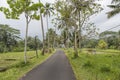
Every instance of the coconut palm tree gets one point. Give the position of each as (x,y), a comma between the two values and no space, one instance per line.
(41,19)
(65,20)
(116,8)
(47,13)
(80,7)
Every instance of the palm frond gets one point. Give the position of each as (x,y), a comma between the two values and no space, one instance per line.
(115,1)
(113,12)
(113,6)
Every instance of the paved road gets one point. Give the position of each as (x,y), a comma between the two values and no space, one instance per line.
(57,67)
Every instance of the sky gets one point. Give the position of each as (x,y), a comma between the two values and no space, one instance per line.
(100,20)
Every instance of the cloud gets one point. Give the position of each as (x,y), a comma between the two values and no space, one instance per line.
(101,20)
(114,21)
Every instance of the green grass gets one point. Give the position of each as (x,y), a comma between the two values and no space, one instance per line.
(17,68)
(96,67)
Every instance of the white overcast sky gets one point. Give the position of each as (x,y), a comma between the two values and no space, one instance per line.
(35,29)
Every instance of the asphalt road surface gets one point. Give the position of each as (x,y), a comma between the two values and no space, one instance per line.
(57,67)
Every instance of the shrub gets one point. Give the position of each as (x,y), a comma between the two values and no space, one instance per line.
(105,68)
(21,64)
(20,49)
(102,44)
(88,64)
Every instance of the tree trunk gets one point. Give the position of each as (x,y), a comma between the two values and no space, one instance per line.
(48,33)
(119,39)
(25,49)
(43,51)
(75,45)
(54,38)
(36,46)
(66,36)
(79,33)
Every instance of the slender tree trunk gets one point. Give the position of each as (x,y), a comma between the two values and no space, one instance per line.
(36,46)
(43,51)
(66,39)
(25,49)
(67,36)
(75,45)
(79,33)
(48,33)
(54,38)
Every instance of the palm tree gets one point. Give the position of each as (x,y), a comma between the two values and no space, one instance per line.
(80,7)
(8,37)
(48,10)
(41,12)
(52,36)
(116,8)
(65,21)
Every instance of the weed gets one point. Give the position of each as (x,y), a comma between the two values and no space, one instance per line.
(88,64)
(105,68)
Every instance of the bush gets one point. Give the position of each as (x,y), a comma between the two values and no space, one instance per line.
(102,44)
(88,64)
(18,49)
(112,47)
(21,64)
(105,68)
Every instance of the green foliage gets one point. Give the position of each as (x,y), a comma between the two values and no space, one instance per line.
(18,49)
(17,7)
(107,33)
(102,44)
(89,43)
(112,39)
(32,44)
(52,36)
(88,64)
(115,8)
(21,64)
(8,38)
(105,68)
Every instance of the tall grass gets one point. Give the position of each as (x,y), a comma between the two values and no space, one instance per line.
(96,67)
(16,67)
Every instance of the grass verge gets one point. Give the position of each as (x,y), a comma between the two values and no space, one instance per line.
(95,67)
(15,63)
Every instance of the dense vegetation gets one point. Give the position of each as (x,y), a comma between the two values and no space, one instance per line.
(10,40)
